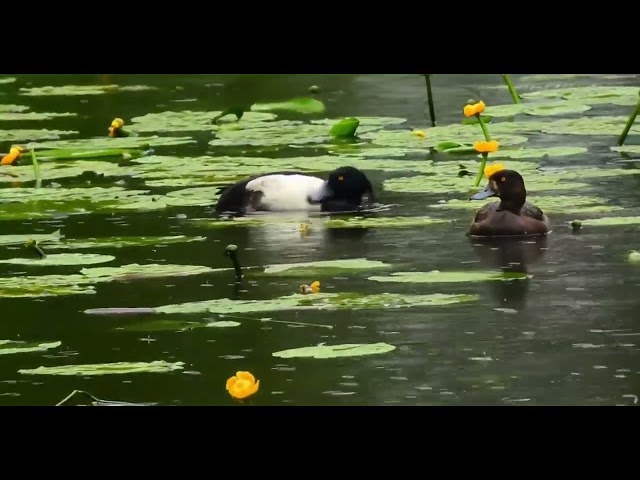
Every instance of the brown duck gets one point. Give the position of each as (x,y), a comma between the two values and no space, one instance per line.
(513,215)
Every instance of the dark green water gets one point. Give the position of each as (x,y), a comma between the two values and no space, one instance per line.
(567,336)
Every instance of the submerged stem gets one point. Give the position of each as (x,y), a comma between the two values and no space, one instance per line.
(511,87)
(630,122)
(432,110)
(481,169)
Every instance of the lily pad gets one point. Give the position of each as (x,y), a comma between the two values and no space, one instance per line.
(617,95)
(13,108)
(61,259)
(121,242)
(81,90)
(108,143)
(24,238)
(120,368)
(319,301)
(25,135)
(197,196)
(560,204)
(345,128)
(436,276)
(634,256)
(162,326)
(563,151)
(336,351)
(537,109)
(12,116)
(603,125)
(223,324)
(8,347)
(627,149)
(323,267)
(610,221)
(384,222)
(300,105)
(191,121)
(5,80)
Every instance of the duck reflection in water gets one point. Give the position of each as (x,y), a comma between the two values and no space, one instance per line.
(510,254)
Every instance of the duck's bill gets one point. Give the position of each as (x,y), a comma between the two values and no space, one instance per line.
(486,193)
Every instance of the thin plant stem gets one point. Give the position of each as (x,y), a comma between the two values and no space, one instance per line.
(630,122)
(36,168)
(481,169)
(511,87)
(483,126)
(432,110)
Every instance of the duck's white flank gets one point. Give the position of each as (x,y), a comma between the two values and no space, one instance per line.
(287,192)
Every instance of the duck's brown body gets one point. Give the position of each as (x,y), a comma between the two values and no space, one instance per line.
(513,215)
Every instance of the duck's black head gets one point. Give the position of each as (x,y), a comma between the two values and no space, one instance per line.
(508,186)
(346,189)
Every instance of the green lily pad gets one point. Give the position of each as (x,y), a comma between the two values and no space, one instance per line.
(25,135)
(81,90)
(191,121)
(537,109)
(197,196)
(83,283)
(24,238)
(539,152)
(323,267)
(384,222)
(318,301)
(610,221)
(300,105)
(617,95)
(120,368)
(449,277)
(336,351)
(345,128)
(61,259)
(223,324)
(12,116)
(634,256)
(553,77)
(13,108)
(109,143)
(162,326)
(561,204)
(5,80)
(627,148)
(8,347)
(122,242)
(603,125)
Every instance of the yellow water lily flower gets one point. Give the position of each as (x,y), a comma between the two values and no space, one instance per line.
(472,109)
(486,147)
(12,156)
(419,133)
(242,385)
(116,125)
(313,288)
(493,168)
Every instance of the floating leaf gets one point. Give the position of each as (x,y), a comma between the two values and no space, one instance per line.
(5,80)
(12,116)
(323,267)
(634,256)
(384,222)
(300,105)
(336,351)
(610,221)
(319,301)
(345,128)
(604,125)
(449,277)
(121,368)
(81,90)
(25,135)
(627,149)
(162,326)
(191,121)
(197,196)
(13,108)
(539,152)
(561,204)
(223,324)
(121,242)
(537,109)
(24,238)
(617,95)
(61,259)
(8,347)
(112,143)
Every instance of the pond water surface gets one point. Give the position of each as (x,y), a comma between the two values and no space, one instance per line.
(567,335)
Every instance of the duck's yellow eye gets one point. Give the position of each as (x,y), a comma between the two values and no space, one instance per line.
(340,178)
(503,179)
